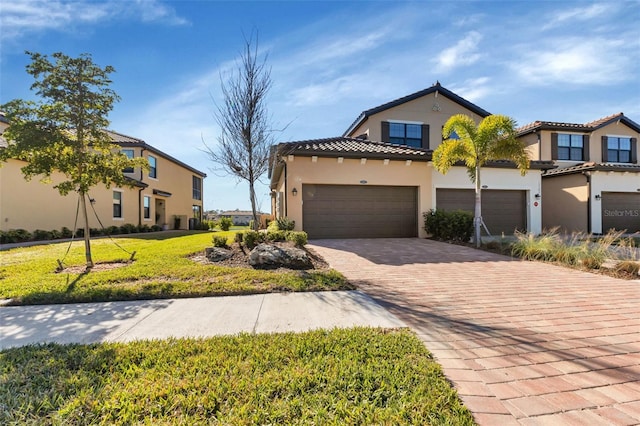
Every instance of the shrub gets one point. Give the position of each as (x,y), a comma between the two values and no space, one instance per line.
(66,232)
(285,224)
(298,237)
(95,232)
(56,235)
(80,233)
(128,228)
(273,226)
(628,266)
(252,224)
(450,226)
(113,230)
(253,238)
(220,241)
(42,235)
(156,228)
(238,237)
(144,228)
(225,223)
(276,236)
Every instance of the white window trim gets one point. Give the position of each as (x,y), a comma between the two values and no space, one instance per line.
(150,211)
(406,122)
(149,172)
(121,204)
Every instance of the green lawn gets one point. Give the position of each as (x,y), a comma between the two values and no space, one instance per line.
(355,376)
(162,269)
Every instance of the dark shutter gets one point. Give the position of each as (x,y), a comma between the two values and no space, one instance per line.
(605,146)
(585,148)
(634,150)
(425,136)
(554,146)
(385,131)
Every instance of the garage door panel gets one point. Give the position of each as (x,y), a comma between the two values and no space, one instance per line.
(620,211)
(348,211)
(502,210)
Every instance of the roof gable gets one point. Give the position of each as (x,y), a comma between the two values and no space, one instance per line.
(433,89)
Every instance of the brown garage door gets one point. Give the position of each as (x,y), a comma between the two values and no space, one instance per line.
(362,211)
(502,211)
(620,210)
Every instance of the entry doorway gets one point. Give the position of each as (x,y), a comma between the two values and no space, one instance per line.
(161,214)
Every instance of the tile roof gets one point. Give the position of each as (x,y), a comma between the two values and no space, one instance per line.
(586,127)
(353,148)
(591,166)
(435,88)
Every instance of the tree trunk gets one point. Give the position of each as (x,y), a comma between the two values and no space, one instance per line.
(87,231)
(252,195)
(477,218)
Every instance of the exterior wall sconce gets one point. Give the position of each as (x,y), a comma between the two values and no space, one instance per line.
(597,197)
(485,186)
(294,192)
(537,196)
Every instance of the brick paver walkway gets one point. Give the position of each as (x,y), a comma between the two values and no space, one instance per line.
(523,342)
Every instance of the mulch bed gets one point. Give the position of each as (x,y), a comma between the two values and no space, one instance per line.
(240,258)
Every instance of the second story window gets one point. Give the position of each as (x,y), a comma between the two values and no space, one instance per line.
(197,188)
(153,170)
(618,150)
(570,147)
(405,134)
(129,153)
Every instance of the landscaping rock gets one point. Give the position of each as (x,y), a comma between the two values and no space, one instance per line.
(270,256)
(217,254)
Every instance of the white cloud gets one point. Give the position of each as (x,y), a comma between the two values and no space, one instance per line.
(575,61)
(474,89)
(21,17)
(579,14)
(464,52)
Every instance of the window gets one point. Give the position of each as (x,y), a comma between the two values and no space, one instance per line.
(197,188)
(570,147)
(147,207)
(153,171)
(117,204)
(618,150)
(129,153)
(405,134)
(197,212)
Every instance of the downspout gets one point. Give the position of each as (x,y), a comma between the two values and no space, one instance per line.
(140,192)
(587,175)
(286,192)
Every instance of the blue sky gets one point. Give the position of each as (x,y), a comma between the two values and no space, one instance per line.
(571,61)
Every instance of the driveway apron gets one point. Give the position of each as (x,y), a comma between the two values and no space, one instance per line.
(523,342)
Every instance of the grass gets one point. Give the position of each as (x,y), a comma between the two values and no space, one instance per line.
(355,376)
(578,250)
(162,269)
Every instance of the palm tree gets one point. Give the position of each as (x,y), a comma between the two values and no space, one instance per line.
(475,145)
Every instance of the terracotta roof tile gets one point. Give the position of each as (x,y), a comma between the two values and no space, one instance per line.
(350,147)
(587,127)
(606,167)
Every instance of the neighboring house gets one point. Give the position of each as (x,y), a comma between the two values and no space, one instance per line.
(170,190)
(596,185)
(239,217)
(377,179)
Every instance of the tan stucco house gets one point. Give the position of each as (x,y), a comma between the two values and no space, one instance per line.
(596,184)
(170,189)
(377,179)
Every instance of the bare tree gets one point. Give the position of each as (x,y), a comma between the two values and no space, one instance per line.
(246,135)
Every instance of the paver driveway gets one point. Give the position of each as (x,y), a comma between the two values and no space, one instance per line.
(523,342)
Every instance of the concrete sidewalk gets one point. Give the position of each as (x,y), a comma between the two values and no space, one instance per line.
(199,317)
